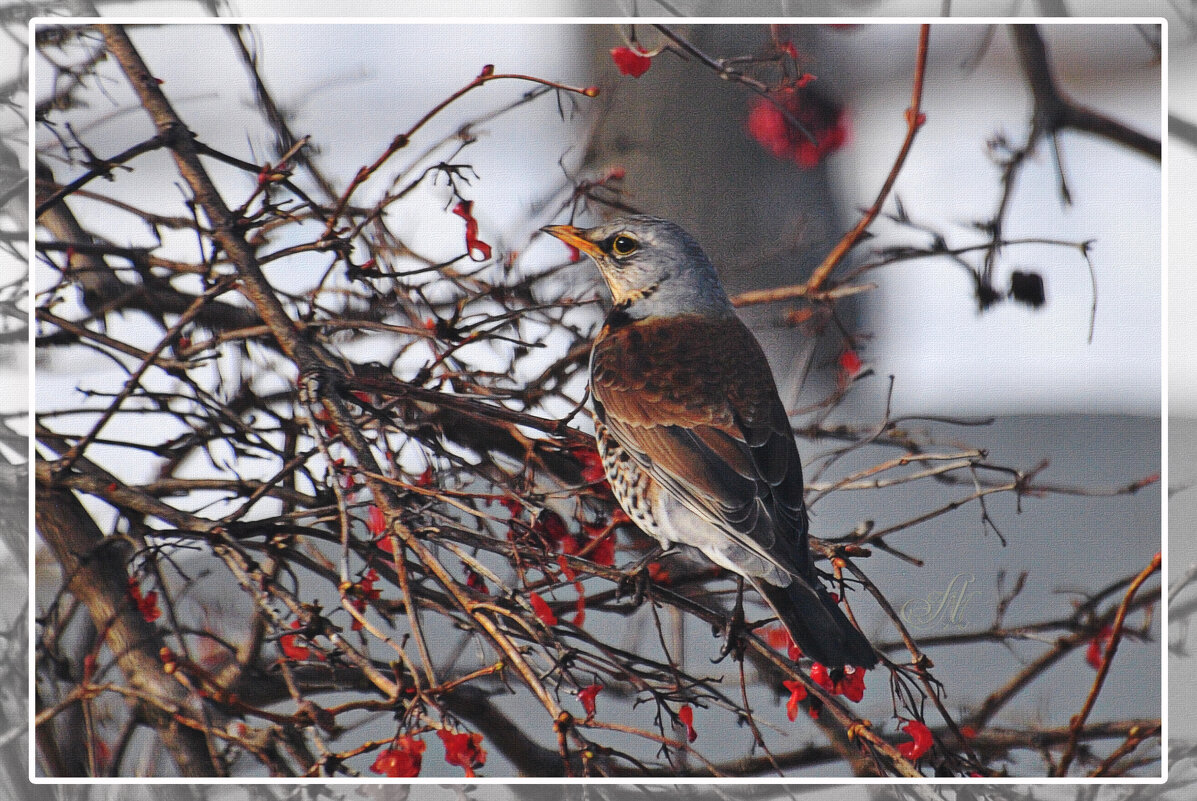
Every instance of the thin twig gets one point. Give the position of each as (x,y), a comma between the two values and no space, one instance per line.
(1078,720)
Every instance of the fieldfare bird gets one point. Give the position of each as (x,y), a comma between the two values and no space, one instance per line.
(693,436)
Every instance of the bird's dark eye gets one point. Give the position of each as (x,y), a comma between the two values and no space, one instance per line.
(624,245)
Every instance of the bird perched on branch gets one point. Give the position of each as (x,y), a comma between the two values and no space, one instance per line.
(692,434)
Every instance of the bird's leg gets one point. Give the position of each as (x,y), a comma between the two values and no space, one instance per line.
(636,575)
(735,629)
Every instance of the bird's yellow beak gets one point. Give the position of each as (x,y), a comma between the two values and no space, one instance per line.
(573,236)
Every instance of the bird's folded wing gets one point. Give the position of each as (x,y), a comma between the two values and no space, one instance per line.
(694,403)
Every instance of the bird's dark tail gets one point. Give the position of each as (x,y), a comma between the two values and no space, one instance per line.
(817,624)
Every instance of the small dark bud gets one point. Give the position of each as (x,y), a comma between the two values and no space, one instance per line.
(987,295)
(1027,288)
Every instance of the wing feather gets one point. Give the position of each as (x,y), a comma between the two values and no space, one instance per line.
(708,425)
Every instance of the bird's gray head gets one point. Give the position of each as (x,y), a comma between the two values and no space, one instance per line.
(652,266)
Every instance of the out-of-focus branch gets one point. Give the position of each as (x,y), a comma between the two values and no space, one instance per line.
(94,569)
(1078,721)
(1055,112)
(1182,129)
(914,121)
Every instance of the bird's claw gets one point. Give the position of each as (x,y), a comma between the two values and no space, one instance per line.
(734,631)
(636,577)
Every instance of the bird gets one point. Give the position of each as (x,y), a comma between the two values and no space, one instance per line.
(692,434)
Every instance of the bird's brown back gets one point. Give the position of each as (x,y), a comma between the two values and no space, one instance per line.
(685,371)
(695,398)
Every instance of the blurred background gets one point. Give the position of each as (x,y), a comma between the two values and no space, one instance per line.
(687,154)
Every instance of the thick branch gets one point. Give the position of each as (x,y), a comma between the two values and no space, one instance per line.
(1057,112)
(96,568)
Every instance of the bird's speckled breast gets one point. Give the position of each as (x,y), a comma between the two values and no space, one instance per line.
(633,487)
